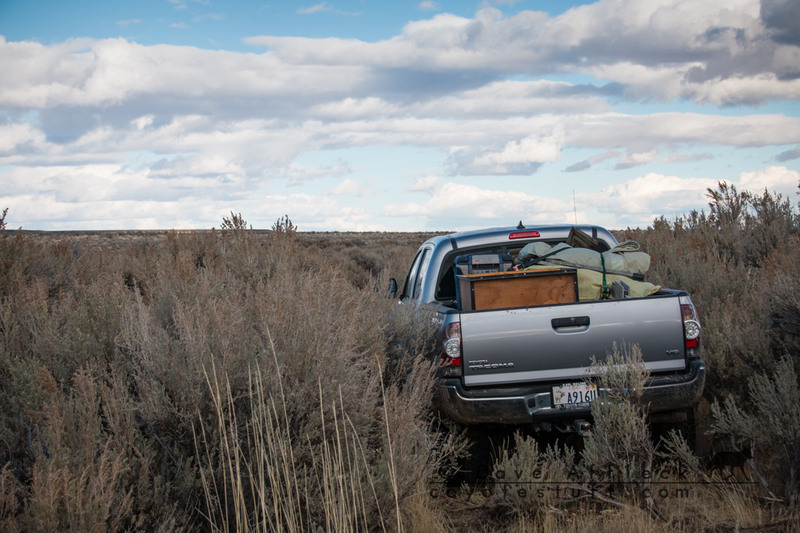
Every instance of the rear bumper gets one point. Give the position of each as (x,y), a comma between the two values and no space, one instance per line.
(524,405)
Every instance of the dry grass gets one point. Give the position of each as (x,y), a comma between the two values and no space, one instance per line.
(245,380)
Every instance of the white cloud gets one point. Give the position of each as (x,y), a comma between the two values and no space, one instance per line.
(348,187)
(637,202)
(354,109)
(531,149)
(316,8)
(118,197)
(199,165)
(425,184)
(158,122)
(496,124)
(652,49)
(142,122)
(594,160)
(637,159)
(321,213)
(681,157)
(651,195)
(711,52)
(458,201)
(183,4)
(654,193)
(776,179)
(300,174)
(15,138)
(512,98)
(643,133)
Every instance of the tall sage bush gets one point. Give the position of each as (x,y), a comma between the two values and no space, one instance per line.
(740,263)
(234,380)
(131,376)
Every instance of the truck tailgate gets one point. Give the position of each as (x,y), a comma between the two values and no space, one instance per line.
(557,343)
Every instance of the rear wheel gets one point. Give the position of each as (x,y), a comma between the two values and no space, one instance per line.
(485,444)
(683,421)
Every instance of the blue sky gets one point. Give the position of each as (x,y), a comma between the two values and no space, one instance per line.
(365,115)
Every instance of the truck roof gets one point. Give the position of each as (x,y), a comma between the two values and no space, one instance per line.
(466,239)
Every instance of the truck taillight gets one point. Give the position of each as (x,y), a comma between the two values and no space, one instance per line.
(691,328)
(451,350)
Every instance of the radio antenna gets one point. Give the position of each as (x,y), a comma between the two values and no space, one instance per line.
(574,207)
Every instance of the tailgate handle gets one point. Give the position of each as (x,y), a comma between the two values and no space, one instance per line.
(570,322)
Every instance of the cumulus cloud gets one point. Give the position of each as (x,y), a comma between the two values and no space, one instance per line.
(652,194)
(531,149)
(776,179)
(637,202)
(19,138)
(461,202)
(158,122)
(425,184)
(652,48)
(519,157)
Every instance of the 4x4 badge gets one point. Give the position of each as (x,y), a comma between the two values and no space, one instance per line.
(483,364)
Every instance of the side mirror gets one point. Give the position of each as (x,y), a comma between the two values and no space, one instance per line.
(392,287)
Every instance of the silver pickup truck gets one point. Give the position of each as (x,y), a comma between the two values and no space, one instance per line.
(518,357)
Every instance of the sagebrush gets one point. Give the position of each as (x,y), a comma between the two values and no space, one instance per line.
(179,383)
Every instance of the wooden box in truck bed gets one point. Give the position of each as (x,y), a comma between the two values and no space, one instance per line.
(507,290)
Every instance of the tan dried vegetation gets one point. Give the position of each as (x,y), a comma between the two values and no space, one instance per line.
(245,380)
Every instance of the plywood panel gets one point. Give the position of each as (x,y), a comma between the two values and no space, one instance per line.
(519,289)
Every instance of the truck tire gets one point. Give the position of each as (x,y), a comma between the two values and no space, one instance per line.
(684,421)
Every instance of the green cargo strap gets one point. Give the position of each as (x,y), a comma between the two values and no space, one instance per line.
(605,287)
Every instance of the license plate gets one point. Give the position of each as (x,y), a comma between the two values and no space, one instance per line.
(574,395)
